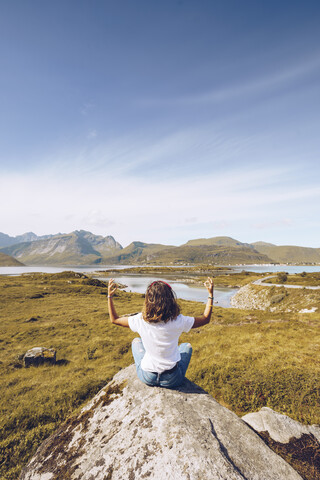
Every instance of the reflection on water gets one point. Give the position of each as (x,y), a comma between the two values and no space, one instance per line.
(140,283)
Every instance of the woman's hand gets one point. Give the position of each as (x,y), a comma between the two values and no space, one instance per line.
(209,286)
(205,318)
(112,288)
(114,317)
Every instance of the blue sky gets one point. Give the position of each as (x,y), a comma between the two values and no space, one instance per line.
(161,121)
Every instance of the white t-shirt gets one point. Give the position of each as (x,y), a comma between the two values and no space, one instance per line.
(160,341)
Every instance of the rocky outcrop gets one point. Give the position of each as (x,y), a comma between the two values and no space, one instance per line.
(281,428)
(132,431)
(277,298)
(251,297)
(297,443)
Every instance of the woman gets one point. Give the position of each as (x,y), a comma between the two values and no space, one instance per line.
(158,358)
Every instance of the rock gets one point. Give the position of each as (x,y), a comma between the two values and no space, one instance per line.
(132,431)
(249,297)
(38,356)
(280,427)
(296,443)
(32,319)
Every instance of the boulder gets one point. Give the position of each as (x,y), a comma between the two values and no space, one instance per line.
(132,431)
(296,443)
(38,356)
(281,428)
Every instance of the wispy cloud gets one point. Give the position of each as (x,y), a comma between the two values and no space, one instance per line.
(183,153)
(131,208)
(262,84)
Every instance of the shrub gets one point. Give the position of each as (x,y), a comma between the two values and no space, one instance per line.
(282,277)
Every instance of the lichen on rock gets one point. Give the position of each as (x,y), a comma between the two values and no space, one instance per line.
(132,431)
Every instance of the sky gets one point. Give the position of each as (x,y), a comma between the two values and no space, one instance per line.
(161,121)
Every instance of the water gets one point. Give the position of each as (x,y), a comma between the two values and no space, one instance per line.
(136,283)
(49,269)
(94,268)
(139,284)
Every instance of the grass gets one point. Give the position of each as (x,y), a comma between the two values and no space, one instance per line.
(223,276)
(303,279)
(245,359)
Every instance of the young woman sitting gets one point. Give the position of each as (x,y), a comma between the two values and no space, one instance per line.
(158,358)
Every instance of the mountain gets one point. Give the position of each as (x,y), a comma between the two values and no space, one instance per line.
(6,240)
(137,252)
(266,244)
(77,248)
(7,261)
(85,248)
(288,253)
(209,254)
(210,250)
(225,241)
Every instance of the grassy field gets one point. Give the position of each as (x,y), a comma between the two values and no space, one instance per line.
(303,279)
(245,359)
(223,276)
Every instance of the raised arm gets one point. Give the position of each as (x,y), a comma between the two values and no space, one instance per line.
(205,318)
(114,317)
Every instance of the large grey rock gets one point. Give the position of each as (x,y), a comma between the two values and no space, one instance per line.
(132,431)
(280,427)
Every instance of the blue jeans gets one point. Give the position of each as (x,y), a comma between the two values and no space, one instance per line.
(169,379)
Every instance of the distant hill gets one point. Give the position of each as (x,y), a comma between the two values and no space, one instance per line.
(210,254)
(77,248)
(7,261)
(225,241)
(288,253)
(195,251)
(7,240)
(137,252)
(257,244)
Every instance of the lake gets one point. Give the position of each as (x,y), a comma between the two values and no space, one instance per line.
(139,283)
(135,283)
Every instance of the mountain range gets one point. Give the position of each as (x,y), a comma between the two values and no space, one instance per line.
(76,248)
(85,248)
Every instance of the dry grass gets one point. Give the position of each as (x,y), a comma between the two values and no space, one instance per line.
(247,359)
(303,279)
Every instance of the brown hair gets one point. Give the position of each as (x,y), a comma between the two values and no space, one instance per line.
(160,303)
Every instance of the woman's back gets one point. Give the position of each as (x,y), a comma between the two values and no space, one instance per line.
(160,341)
